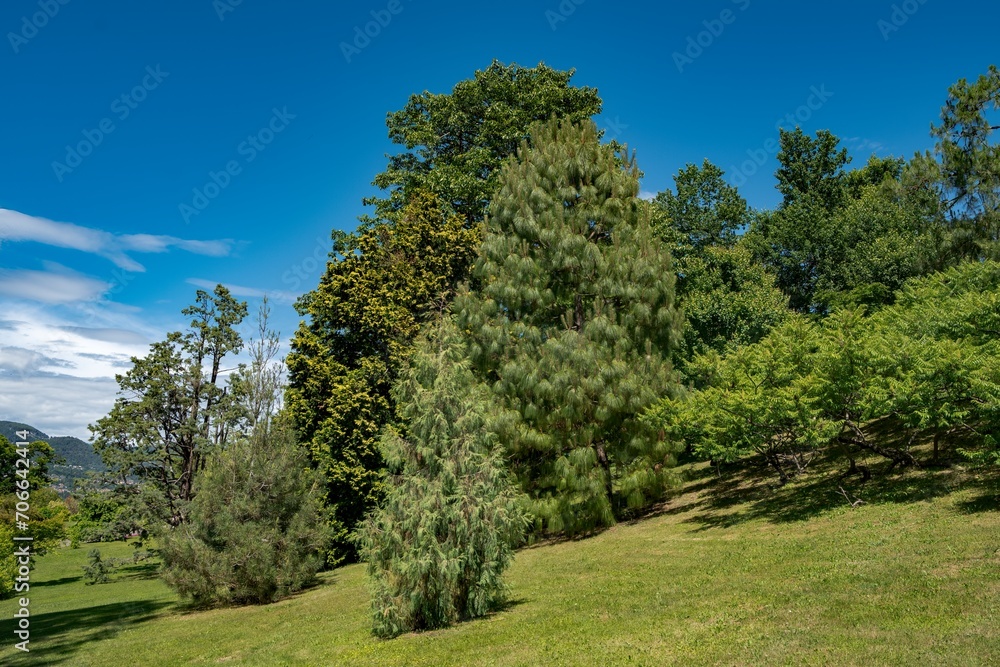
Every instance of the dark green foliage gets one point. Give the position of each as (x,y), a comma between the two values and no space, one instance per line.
(704,212)
(841,238)
(573,326)
(256,529)
(440,541)
(456,142)
(362,319)
(969,164)
(41,457)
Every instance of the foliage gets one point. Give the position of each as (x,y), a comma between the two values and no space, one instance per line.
(705,211)
(96,571)
(256,528)
(456,142)
(440,541)
(969,164)
(41,457)
(573,326)
(47,519)
(841,238)
(362,320)
(105,514)
(404,264)
(930,364)
(728,299)
(170,412)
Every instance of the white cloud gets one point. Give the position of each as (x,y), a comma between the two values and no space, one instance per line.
(50,287)
(58,375)
(16,227)
(57,404)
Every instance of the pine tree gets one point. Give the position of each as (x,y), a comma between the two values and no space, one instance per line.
(439,543)
(573,326)
(256,529)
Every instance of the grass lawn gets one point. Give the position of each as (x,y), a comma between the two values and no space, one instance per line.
(732,572)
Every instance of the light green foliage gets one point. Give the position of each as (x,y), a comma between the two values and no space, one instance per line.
(172,411)
(256,529)
(573,326)
(760,400)
(439,543)
(96,571)
(456,142)
(929,364)
(47,520)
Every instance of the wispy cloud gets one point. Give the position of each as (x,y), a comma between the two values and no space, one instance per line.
(55,285)
(277,296)
(18,227)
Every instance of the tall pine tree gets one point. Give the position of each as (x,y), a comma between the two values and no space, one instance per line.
(573,326)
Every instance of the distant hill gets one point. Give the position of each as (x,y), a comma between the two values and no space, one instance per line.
(80,456)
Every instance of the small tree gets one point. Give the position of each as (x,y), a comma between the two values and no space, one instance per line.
(256,530)
(438,545)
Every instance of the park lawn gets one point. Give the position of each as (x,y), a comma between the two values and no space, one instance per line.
(732,572)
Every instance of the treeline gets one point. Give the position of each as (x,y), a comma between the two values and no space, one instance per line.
(514,344)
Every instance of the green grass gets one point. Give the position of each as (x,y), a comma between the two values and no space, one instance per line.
(732,572)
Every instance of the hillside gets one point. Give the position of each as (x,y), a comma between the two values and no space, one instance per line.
(79,455)
(732,572)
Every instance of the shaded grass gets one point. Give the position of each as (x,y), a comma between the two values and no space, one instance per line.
(736,571)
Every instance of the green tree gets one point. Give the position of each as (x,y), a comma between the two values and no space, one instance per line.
(172,409)
(363,317)
(704,211)
(439,543)
(403,263)
(256,530)
(456,142)
(969,162)
(729,300)
(574,324)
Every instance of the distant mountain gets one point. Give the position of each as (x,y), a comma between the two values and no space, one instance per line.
(80,456)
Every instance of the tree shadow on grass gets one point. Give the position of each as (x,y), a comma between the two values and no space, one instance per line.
(56,582)
(57,636)
(753,493)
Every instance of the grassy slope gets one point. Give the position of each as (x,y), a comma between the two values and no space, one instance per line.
(730,573)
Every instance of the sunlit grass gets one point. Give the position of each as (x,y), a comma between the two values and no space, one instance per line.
(733,572)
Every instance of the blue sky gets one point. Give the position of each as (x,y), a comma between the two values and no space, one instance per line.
(116,112)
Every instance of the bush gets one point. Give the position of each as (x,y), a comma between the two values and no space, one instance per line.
(256,528)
